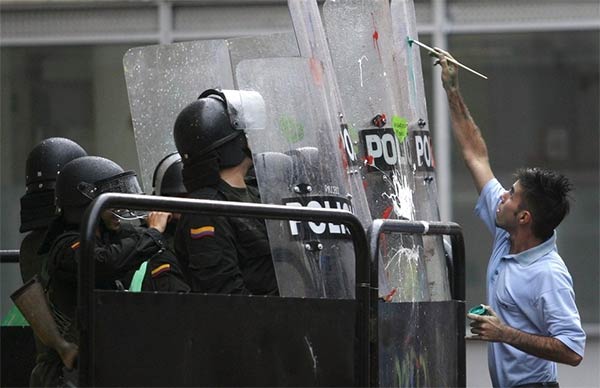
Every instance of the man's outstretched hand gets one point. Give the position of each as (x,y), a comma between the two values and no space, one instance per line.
(449,69)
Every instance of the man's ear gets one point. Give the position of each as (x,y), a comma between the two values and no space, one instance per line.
(525,217)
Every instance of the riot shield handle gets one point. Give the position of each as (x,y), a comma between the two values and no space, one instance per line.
(31,300)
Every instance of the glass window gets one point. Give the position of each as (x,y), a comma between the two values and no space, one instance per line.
(73,92)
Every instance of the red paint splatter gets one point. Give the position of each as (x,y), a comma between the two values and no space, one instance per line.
(387,212)
(388,297)
(385,215)
(316,70)
(343,150)
(376,37)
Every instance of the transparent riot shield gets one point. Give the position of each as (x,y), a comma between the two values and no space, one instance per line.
(161,81)
(312,44)
(297,163)
(359,34)
(412,102)
(262,46)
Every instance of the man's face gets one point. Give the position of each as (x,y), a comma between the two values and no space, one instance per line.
(111,221)
(508,211)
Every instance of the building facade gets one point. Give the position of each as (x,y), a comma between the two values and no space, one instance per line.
(61,75)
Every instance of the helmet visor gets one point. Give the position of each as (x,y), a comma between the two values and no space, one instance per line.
(246,109)
(128,215)
(126,183)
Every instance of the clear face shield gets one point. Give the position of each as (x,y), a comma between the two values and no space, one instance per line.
(125,183)
(246,109)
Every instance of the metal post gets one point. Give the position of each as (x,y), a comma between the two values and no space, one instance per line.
(165,22)
(9,256)
(441,127)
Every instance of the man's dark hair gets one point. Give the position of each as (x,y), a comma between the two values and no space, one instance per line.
(545,195)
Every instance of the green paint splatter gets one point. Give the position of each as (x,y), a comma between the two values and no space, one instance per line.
(292,130)
(353,134)
(400,126)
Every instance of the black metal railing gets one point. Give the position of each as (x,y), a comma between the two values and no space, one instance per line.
(222,208)
(456,270)
(9,256)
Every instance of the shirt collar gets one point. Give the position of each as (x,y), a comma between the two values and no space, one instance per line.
(533,254)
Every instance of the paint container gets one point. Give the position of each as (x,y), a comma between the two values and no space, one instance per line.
(478,310)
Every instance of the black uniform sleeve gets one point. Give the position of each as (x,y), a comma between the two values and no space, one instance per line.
(128,252)
(209,245)
(63,258)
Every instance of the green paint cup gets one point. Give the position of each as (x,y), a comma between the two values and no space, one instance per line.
(478,310)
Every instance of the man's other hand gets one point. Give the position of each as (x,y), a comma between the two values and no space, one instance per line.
(487,327)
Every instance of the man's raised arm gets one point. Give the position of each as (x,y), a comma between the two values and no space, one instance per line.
(467,134)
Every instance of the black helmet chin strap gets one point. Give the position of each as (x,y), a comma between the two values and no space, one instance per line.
(245,149)
(218,143)
(201,171)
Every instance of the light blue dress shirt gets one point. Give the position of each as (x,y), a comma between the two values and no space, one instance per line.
(531,291)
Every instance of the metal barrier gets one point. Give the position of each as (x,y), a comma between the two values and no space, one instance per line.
(9,256)
(457,281)
(456,269)
(86,311)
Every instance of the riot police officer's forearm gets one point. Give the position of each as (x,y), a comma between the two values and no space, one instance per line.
(129,252)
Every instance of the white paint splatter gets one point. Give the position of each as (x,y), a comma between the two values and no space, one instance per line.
(360,69)
(312,354)
(411,255)
(405,272)
(402,199)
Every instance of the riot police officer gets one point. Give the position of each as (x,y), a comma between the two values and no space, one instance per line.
(38,210)
(162,272)
(44,163)
(120,248)
(167,179)
(226,255)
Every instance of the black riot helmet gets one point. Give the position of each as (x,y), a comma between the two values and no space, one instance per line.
(83,179)
(167,179)
(43,165)
(216,122)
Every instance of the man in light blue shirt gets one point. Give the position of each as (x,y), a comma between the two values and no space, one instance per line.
(532,321)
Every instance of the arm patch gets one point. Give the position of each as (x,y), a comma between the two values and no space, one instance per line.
(201,232)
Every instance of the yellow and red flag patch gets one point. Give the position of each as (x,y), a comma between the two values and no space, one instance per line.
(205,231)
(160,269)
